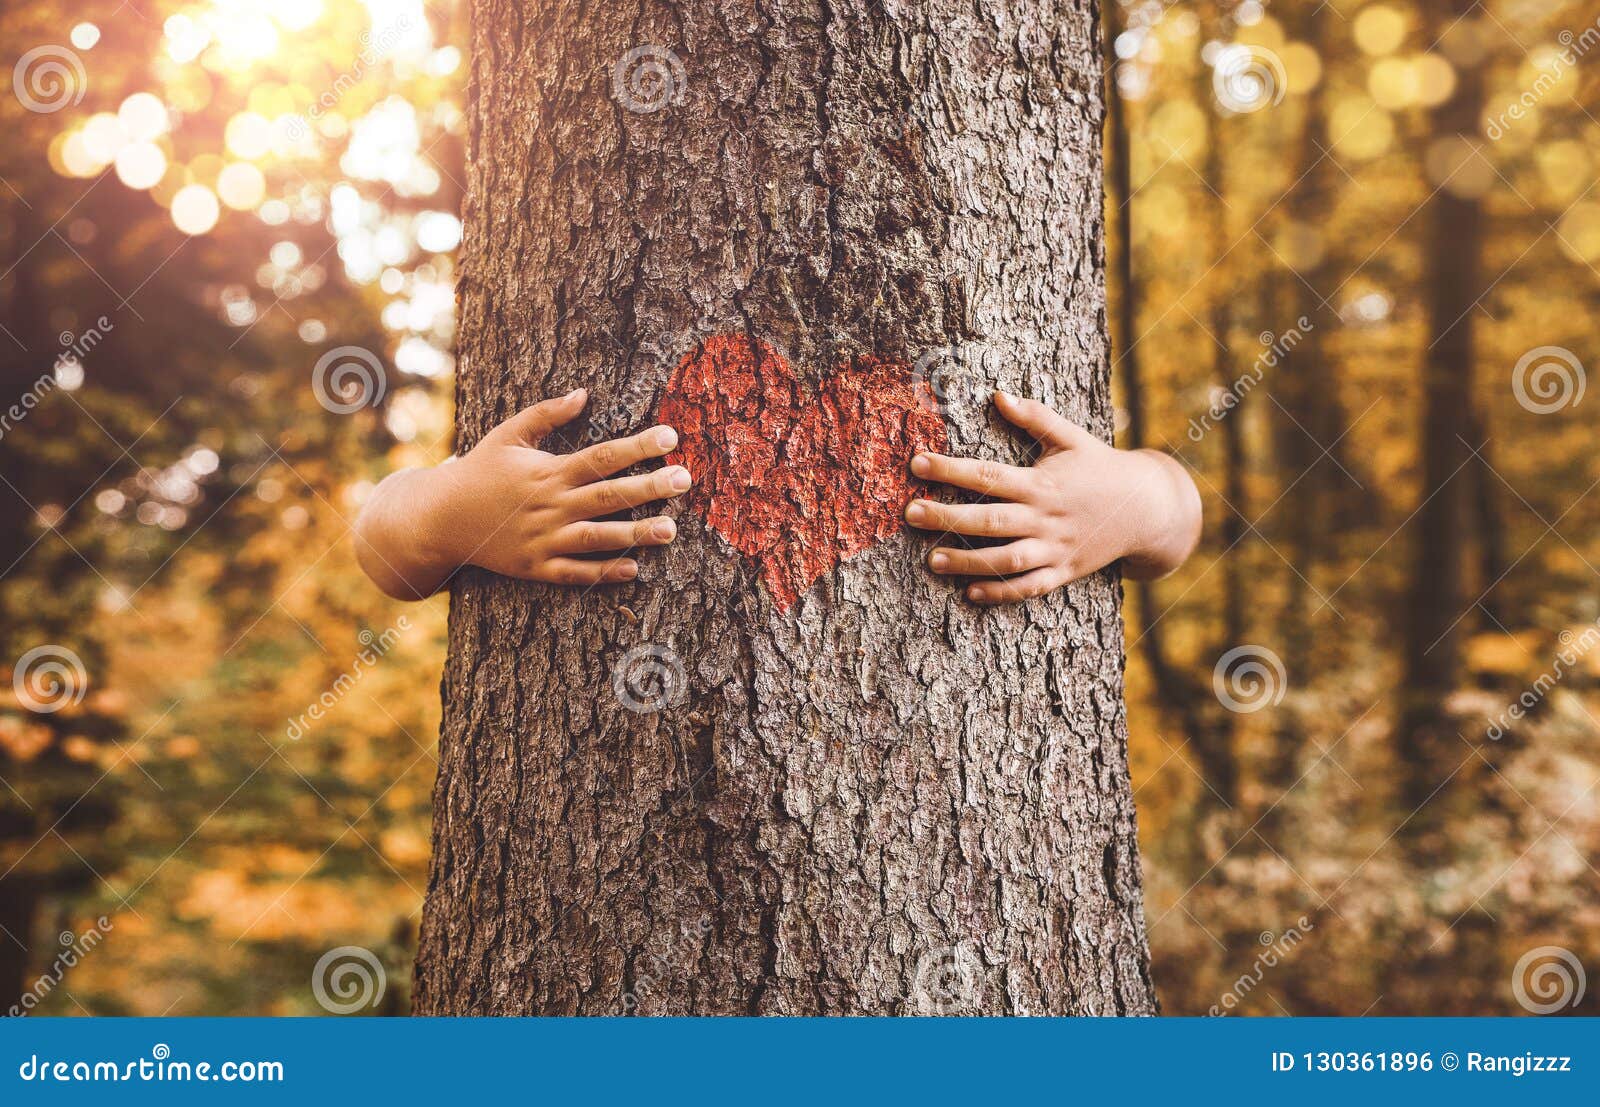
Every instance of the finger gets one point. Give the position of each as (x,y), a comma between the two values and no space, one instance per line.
(605,458)
(1016,589)
(988,477)
(1044,423)
(607,496)
(991,561)
(984,520)
(572,570)
(594,537)
(531,424)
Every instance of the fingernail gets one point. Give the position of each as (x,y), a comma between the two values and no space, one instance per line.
(916,513)
(575,393)
(664,530)
(666,438)
(629,569)
(938,561)
(920,465)
(1006,396)
(977,593)
(680,480)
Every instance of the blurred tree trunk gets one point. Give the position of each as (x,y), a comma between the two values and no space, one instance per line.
(1311,418)
(1429,746)
(1124,347)
(1178,696)
(1234,527)
(19,911)
(1488,522)
(878,799)
(1216,744)
(23,359)
(25,355)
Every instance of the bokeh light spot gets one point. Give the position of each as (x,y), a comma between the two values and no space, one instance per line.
(1379,29)
(141,165)
(241,185)
(195,209)
(143,117)
(248,135)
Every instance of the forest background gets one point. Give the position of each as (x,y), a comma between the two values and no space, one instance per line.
(1352,252)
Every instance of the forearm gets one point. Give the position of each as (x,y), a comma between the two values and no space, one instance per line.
(397,542)
(1171,505)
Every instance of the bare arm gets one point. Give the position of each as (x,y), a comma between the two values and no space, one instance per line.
(1170,511)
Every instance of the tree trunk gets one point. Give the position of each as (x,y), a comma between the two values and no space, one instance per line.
(19,914)
(1215,743)
(1176,695)
(1489,523)
(805,778)
(1120,174)
(1310,420)
(1429,745)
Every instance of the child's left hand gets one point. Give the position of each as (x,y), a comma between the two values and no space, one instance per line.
(1080,507)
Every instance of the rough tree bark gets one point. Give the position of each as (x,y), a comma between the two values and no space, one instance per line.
(867,796)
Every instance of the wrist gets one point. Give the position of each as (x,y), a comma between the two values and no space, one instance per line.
(439,540)
(1168,510)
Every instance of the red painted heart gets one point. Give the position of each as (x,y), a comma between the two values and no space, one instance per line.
(797,482)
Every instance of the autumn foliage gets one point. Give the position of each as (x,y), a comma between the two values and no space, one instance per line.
(207,223)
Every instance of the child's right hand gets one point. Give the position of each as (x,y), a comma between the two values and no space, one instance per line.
(517,510)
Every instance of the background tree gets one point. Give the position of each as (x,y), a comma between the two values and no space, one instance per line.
(1429,744)
(1182,699)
